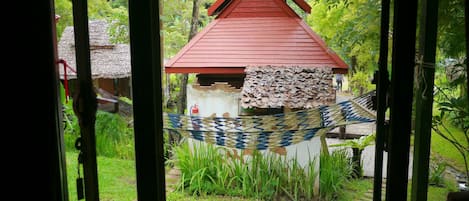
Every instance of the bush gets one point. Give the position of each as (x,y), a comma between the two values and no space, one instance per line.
(114,137)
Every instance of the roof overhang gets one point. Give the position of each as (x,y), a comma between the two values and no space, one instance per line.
(220,5)
(228,45)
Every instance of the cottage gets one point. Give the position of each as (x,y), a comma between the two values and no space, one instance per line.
(255,33)
(259,57)
(110,63)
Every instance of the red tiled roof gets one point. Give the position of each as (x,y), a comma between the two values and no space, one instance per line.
(220,5)
(227,45)
(253,32)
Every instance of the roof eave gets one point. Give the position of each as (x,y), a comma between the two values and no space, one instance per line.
(303,5)
(205,70)
(217,7)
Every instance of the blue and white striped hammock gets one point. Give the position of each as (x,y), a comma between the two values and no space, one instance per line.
(272,131)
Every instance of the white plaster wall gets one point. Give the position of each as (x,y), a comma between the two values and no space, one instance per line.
(212,101)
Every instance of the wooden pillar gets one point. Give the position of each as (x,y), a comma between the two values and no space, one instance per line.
(424,98)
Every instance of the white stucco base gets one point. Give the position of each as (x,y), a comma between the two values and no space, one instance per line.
(220,99)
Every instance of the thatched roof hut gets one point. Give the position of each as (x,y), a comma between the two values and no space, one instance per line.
(107,60)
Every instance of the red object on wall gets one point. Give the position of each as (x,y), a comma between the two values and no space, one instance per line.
(195,109)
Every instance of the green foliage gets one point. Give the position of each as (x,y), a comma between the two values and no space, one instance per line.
(114,137)
(360,82)
(360,143)
(112,11)
(436,176)
(453,110)
(120,3)
(119,26)
(63,8)
(176,19)
(351,28)
(451,28)
(334,173)
(206,169)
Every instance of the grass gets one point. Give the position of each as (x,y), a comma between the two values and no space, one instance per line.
(357,189)
(181,196)
(210,170)
(446,151)
(116,178)
(117,182)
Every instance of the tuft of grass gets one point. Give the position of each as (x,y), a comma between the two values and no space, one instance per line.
(335,172)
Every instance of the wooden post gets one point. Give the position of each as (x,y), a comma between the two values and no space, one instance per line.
(424,99)
(382,90)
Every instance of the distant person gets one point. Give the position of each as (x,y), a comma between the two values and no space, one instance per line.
(338,79)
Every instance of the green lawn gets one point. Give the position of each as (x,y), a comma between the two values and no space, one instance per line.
(116,178)
(444,150)
(117,182)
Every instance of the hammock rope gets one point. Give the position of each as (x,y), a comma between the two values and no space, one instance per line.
(271,131)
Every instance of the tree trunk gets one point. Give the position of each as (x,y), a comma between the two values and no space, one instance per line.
(182,103)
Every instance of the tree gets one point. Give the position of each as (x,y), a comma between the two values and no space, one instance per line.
(454,110)
(350,27)
(113,12)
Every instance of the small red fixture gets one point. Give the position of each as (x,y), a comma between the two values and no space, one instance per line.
(195,110)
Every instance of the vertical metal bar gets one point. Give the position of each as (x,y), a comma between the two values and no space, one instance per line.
(147,99)
(382,88)
(49,177)
(424,99)
(84,100)
(403,62)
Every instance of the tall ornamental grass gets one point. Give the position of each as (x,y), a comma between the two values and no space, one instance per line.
(209,169)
